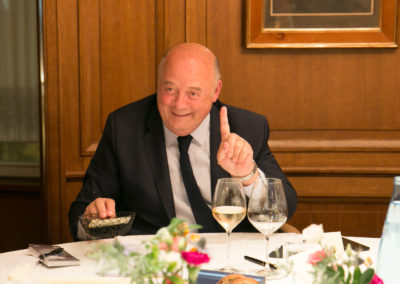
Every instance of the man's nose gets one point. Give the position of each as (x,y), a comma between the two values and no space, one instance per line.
(180,100)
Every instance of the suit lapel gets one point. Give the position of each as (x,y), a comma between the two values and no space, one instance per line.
(215,140)
(156,152)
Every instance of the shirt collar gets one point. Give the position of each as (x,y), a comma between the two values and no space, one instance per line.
(200,134)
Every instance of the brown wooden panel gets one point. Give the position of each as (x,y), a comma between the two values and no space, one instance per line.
(160,33)
(343,185)
(196,21)
(304,89)
(344,161)
(89,75)
(20,218)
(350,216)
(127,41)
(52,174)
(69,100)
(333,113)
(174,23)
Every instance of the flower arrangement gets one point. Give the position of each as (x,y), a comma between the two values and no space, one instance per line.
(328,267)
(172,255)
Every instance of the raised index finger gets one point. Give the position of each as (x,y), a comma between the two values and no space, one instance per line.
(224,124)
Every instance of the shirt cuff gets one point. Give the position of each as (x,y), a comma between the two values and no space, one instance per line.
(81,233)
(248,188)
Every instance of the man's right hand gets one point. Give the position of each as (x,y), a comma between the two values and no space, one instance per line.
(105,207)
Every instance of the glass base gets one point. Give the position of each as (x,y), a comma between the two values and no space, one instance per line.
(229,270)
(272,274)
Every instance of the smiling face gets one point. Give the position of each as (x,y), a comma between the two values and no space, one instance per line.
(188,84)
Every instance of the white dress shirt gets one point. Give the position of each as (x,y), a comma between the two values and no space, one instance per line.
(199,154)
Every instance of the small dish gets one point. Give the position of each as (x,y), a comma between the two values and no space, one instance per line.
(97,228)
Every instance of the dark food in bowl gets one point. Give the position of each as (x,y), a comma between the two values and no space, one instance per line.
(97,228)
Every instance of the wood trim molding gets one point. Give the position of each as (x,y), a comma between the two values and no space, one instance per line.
(342,200)
(91,149)
(89,73)
(377,171)
(20,185)
(293,145)
(308,171)
(340,145)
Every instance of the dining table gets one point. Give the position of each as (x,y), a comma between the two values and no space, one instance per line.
(21,267)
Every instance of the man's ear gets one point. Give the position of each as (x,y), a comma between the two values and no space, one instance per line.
(217,90)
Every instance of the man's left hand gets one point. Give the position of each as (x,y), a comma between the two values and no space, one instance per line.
(235,154)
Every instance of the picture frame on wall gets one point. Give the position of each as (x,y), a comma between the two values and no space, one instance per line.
(321,23)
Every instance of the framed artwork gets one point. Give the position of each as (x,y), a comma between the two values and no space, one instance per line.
(320,23)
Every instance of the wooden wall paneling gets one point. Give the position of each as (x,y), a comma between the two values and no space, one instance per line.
(69,93)
(304,89)
(52,174)
(174,23)
(332,113)
(89,75)
(351,216)
(324,141)
(333,125)
(179,21)
(160,32)
(117,56)
(20,217)
(360,186)
(196,21)
(128,52)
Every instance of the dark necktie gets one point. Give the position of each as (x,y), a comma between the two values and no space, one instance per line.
(201,212)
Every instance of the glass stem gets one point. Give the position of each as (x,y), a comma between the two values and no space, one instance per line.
(228,250)
(267,256)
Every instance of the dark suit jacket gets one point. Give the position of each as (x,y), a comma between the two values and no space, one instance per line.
(130,164)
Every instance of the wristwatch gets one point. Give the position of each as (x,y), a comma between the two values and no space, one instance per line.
(251,174)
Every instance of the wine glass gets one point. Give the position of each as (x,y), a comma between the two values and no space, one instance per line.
(229,209)
(267,212)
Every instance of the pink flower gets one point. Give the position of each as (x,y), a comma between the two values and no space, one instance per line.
(376,280)
(316,257)
(195,258)
(175,244)
(162,246)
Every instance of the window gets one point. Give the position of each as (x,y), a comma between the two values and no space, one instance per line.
(19,89)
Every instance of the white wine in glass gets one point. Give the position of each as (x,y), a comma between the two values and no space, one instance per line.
(229,209)
(267,212)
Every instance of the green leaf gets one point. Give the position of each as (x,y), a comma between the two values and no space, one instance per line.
(176,279)
(366,276)
(356,276)
(341,273)
(171,266)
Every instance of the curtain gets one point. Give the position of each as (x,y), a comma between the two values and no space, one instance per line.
(19,71)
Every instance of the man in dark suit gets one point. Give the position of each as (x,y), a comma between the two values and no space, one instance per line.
(136,165)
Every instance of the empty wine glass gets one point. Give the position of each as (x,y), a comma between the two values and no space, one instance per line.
(267,212)
(229,209)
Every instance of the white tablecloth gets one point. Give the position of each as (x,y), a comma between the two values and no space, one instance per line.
(20,267)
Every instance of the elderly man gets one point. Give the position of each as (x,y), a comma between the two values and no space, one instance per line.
(138,162)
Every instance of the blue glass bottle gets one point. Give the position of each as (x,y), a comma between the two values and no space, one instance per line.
(389,248)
